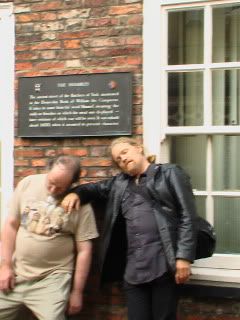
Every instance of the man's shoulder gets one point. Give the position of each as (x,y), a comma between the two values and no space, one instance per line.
(31,177)
(85,209)
(34,178)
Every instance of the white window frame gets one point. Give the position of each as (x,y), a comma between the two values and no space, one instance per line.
(7,103)
(220,267)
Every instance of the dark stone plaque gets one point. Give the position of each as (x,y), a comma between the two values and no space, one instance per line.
(75,105)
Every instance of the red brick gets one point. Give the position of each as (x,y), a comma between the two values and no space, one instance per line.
(39,163)
(120,51)
(96,3)
(50,65)
(134,40)
(46,45)
(91,162)
(127,9)
(51,153)
(45,143)
(48,16)
(21,163)
(22,47)
(96,141)
(19,142)
(71,44)
(23,65)
(134,60)
(76,152)
(28,153)
(135,20)
(51,5)
(28,17)
(75,34)
(101,22)
(28,55)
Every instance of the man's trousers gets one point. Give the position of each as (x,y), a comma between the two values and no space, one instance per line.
(47,298)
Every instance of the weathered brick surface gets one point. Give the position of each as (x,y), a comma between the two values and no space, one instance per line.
(89,36)
(74,37)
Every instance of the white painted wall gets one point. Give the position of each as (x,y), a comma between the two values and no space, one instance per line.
(6,103)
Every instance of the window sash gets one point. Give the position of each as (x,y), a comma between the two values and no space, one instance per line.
(207,67)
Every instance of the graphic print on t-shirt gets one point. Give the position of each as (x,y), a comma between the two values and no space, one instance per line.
(44,217)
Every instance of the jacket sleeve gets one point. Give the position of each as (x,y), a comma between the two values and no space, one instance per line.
(94,191)
(179,183)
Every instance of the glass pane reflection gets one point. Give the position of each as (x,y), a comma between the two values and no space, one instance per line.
(185,99)
(185,37)
(226,97)
(227,225)
(190,153)
(226,155)
(226,36)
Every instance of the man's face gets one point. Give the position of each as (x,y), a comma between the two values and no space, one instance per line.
(129,158)
(58,181)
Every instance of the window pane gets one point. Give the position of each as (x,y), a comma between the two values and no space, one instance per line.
(190,153)
(226,36)
(226,155)
(226,97)
(185,37)
(185,99)
(227,225)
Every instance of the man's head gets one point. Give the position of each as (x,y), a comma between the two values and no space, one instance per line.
(63,171)
(128,154)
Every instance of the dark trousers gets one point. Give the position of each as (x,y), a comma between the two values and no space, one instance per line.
(156,300)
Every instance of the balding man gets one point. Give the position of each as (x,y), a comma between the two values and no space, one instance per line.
(46,253)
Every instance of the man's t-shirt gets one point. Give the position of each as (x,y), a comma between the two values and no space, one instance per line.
(46,237)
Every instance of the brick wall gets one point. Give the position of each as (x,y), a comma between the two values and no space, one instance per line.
(56,37)
(76,37)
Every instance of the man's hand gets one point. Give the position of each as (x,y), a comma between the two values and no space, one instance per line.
(75,302)
(70,202)
(7,278)
(183,271)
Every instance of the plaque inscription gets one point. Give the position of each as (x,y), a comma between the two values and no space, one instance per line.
(75,105)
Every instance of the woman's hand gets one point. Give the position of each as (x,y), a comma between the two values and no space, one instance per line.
(70,202)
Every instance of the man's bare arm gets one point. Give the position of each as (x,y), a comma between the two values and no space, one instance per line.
(9,234)
(82,267)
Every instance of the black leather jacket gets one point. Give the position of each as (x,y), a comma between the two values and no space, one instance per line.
(174,211)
